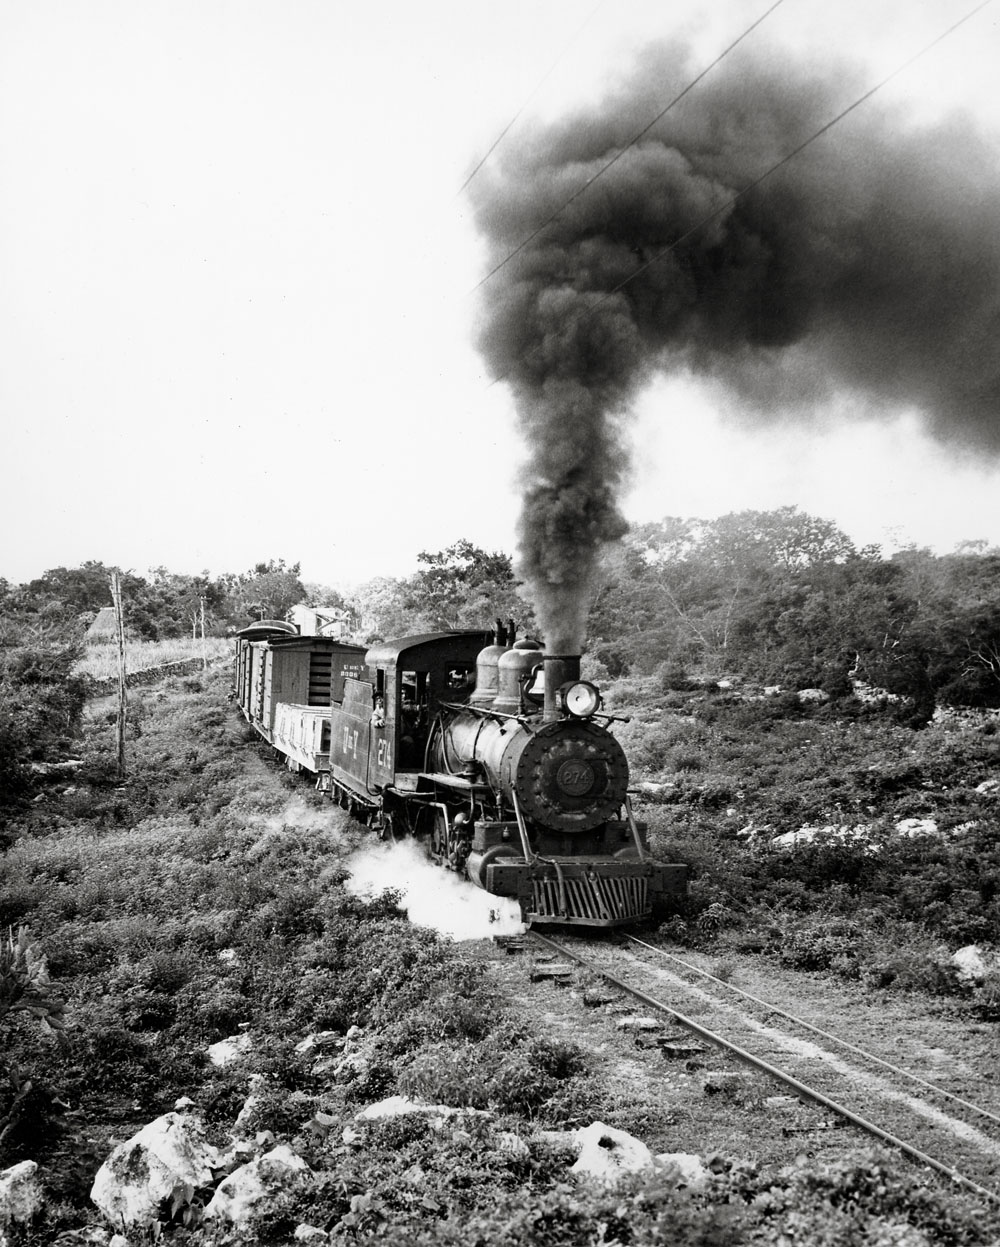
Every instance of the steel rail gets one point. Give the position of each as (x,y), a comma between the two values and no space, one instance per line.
(816,1030)
(801,1089)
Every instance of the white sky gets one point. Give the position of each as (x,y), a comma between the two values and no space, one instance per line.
(234,276)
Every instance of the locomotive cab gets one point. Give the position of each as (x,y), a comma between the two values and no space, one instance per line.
(379,735)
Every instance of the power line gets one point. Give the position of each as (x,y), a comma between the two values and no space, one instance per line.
(734,199)
(621,151)
(531,94)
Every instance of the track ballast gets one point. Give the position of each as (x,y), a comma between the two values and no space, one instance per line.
(941,1139)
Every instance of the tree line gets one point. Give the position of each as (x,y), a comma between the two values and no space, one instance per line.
(779,597)
(786,598)
(160,606)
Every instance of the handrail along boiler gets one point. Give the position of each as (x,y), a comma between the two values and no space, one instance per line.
(496,753)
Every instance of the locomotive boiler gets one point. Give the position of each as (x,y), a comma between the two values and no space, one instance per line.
(498,757)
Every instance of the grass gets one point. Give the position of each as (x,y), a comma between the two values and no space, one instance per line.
(100,662)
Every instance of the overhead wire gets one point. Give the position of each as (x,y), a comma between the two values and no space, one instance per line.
(622,150)
(741,194)
(532,93)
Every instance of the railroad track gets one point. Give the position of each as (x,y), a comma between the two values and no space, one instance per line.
(933,1126)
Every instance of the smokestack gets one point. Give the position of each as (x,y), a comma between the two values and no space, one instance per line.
(559,670)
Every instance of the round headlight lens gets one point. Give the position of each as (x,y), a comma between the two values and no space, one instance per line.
(582,699)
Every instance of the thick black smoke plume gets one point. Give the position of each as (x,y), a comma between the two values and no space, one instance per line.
(867,266)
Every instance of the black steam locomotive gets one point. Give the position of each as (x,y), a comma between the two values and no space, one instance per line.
(489,750)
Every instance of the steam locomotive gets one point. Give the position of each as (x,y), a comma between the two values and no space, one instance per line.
(495,754)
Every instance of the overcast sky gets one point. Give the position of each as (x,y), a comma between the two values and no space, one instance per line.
(235,272)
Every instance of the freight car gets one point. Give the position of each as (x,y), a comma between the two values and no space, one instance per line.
(285,685)
(495,754)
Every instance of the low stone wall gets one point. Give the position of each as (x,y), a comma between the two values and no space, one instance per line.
(150,675)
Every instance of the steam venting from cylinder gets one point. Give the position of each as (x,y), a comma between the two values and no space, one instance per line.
(866,270)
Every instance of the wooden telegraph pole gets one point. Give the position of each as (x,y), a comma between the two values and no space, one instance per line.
(204,652)
(116,597)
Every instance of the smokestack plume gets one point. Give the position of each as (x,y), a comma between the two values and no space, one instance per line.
(866,268)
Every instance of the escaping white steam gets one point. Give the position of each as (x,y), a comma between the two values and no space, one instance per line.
(435,898)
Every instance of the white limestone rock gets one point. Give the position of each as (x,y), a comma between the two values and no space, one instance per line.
(394,1106)
(226,1051)
(20,1196)
(165,1156)
(607,1155)
(402,1106)
(812,697)
(687,1165)
(910,828)
(318,1039)
(654,788)
(971,964)
(246,1116)
(635,1022)
(306,1233)
(243,1195)
(842,833)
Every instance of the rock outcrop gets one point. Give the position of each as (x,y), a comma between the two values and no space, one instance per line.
(239,1197)
(20,1196)
(607,1155)
(166,1161)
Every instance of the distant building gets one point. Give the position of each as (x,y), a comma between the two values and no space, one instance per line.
(104,627)
(321,621)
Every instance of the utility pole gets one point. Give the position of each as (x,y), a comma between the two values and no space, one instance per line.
(116,597)
(204,652)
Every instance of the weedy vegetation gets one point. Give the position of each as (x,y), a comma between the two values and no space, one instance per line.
(100,662)
(850,845)
(204,896)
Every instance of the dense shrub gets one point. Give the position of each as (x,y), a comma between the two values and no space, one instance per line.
(40,706)
(822,945)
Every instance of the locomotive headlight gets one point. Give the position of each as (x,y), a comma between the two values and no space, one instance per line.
(580,699)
